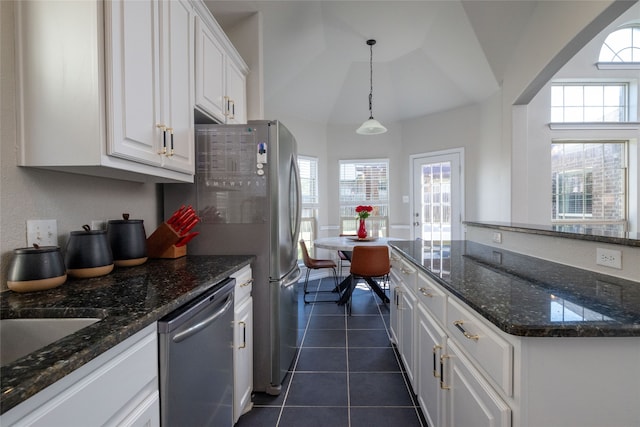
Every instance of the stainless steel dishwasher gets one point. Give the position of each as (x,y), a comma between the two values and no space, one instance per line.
(196,361)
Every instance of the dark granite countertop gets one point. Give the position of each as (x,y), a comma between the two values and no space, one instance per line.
(611,234)
(128,300)
(527,296)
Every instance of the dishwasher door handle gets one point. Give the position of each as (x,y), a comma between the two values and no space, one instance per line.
(203,324)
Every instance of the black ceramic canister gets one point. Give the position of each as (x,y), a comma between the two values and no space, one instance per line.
(128,241)
(88,253)
(37,268)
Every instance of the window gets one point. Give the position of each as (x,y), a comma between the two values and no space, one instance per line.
(589,102)
(589,182)
(308,167)
(364,182)
(622,45)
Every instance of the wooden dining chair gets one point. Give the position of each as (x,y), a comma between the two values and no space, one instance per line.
(317,264)
(372,264)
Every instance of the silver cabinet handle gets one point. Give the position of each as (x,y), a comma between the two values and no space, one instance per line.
(458,324)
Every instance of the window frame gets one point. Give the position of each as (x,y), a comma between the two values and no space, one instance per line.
(626,107)
(309,224)
(346,208)
(580,218)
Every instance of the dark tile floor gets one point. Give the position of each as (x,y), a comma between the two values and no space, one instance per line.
(346,373)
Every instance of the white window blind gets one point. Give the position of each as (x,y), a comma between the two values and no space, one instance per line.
(308,180)
(364,182)
(308,167)
(589,182)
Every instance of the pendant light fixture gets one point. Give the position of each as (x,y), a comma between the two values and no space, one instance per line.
(371,126)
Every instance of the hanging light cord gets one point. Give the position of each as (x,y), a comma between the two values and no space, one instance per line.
(371,77)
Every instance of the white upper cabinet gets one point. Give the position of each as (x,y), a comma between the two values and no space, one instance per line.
(104,88)
(150,44)
(210,72)
(236,94)
(220,86)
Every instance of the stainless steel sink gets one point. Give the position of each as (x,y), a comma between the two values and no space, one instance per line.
(19,337)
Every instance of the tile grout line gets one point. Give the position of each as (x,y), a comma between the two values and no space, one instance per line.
(295,363)
(346,349)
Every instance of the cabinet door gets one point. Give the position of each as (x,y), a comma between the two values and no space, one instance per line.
(407,332)
(243,358)
(147,414)
(236,92)
(471,402)
(178,85)
(431,342)
(210,72)
(132,41)
(394,288)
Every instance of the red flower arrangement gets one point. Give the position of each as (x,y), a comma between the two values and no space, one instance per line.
(364,211)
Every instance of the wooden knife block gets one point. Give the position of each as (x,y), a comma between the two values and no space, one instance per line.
(162,243)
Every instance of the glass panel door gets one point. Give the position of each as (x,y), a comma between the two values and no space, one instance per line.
(437,197)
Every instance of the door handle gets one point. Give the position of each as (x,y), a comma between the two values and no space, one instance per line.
(206,322)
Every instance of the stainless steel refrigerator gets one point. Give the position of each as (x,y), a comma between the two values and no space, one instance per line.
(247,194)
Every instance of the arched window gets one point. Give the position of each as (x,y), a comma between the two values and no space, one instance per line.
(622,45)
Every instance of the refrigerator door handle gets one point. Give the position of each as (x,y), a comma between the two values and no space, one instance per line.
(294,191)
(291,278)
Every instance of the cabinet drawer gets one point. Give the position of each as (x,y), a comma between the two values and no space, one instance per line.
(432,297)
(493,354)
(404,271)
(244,282)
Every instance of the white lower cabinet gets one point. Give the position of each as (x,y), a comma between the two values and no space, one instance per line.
(469,373)
(407,334)
(432,342)
(470,400)
(242,344)
(119,387)
(402,321)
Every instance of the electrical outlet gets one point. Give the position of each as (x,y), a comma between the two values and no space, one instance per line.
(497,237)
(609,258)
(98,224)
(43,232)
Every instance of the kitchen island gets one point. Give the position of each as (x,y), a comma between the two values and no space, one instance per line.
(127,300)
(506,339)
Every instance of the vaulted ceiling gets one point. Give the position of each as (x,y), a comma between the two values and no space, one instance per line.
(430,56)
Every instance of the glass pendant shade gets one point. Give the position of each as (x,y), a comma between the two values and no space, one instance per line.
(371,127)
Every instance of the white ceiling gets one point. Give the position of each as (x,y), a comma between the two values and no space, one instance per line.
(430,56)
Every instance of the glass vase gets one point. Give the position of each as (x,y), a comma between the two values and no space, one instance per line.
(362,230)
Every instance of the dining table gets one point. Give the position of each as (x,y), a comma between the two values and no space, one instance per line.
(346,245)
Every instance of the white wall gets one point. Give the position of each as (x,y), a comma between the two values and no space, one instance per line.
(476,128)
(535,208)
(26,193)
(343,143)
(246,36)
(573,252)
(556,32)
